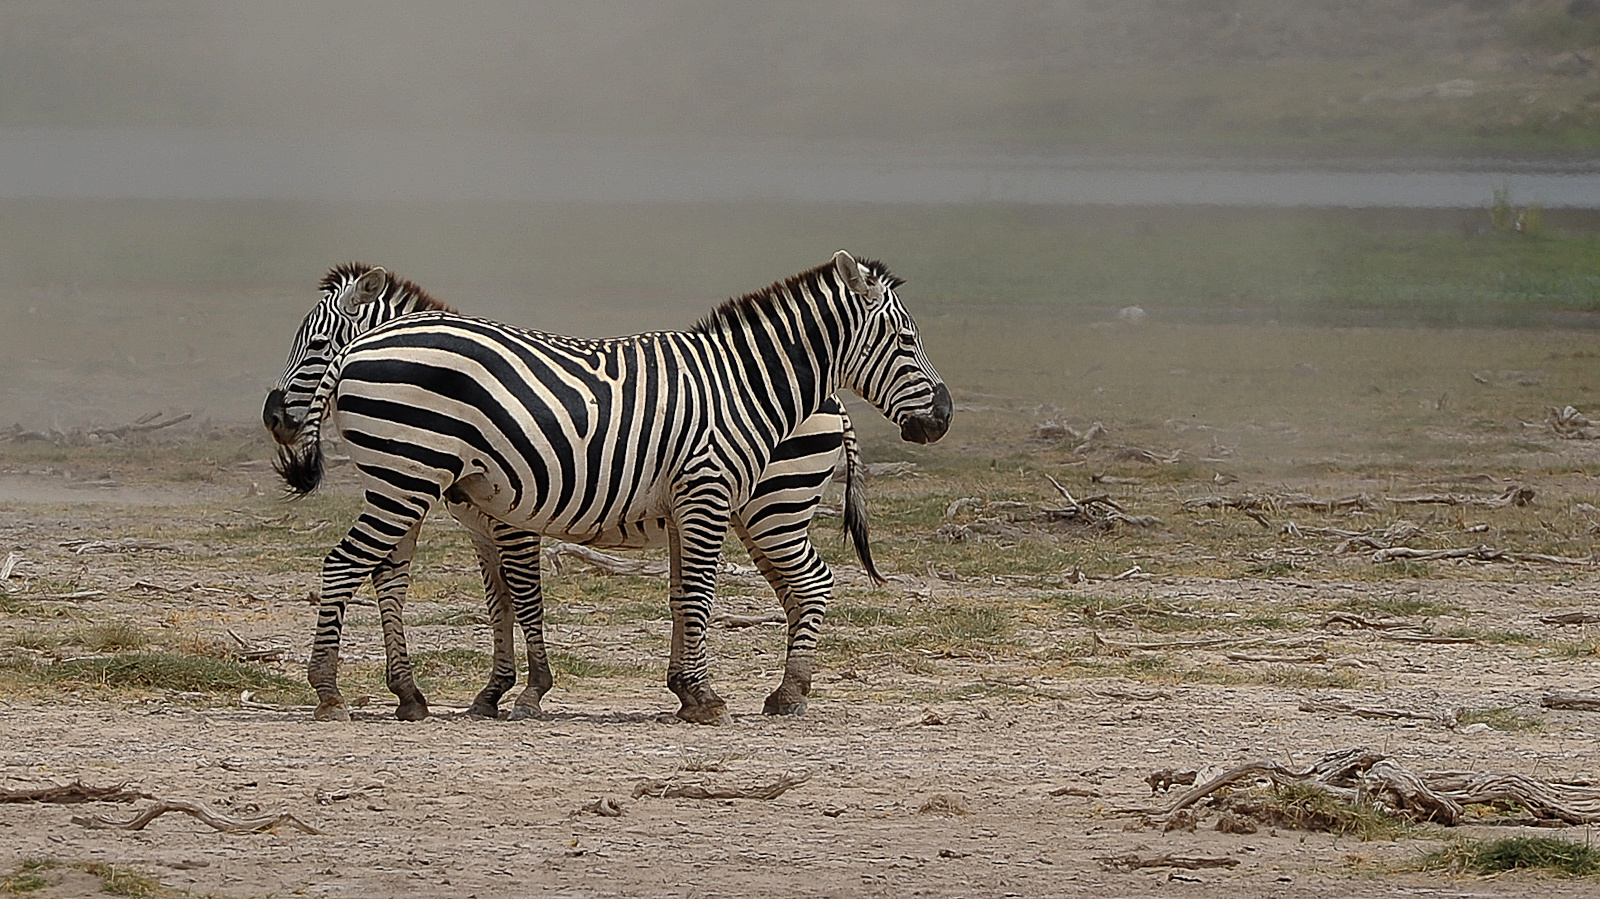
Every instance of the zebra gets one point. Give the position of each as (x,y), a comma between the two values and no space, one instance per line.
(571,437)
(774,524)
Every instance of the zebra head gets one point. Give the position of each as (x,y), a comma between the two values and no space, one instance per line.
(355,298)
(888,366)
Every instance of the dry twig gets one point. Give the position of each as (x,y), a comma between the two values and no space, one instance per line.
(1577,702)
(77,791)
(198,810)
(660,789)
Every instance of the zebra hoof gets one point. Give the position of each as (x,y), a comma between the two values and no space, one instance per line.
(484,712)
(331,710)
(412,711)
(715,713)
(526,713)
(778,706)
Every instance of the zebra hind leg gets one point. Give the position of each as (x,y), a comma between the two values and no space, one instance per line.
(390,580)
(371,541)
(519,562)
(503,674)
(803,584)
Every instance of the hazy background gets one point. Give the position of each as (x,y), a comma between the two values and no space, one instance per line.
(175,176)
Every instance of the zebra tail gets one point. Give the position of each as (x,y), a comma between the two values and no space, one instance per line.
(855,499)
(300,467)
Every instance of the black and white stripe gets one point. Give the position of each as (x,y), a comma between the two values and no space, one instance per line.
(562,436)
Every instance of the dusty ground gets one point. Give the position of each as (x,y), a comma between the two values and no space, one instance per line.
(924,780)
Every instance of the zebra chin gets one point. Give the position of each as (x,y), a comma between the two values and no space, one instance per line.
(929,426)
(283,426)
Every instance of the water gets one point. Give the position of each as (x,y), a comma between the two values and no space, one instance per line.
(206,164)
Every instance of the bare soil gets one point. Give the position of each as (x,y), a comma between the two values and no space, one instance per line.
(907,791)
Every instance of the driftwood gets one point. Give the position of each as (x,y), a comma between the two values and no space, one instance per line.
(1361,775)
(77,791)
(1577,702)
(660,789)
(1480,553)
(203,813)
(9,565)
(1362,621)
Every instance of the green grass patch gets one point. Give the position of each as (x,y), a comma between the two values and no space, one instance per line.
(172,671)
(1547,855)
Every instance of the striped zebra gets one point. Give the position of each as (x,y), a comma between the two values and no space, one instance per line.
(774,525)
(569,437)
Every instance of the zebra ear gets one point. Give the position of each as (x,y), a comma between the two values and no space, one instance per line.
(367,289)
(855,278)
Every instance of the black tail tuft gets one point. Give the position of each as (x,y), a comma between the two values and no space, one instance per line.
(300,467)
(855,501)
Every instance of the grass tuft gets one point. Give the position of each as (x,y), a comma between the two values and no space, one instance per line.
(1546,854)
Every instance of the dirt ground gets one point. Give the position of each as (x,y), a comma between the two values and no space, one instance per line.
(900,796)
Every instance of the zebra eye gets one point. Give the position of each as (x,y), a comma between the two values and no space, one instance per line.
(317,344)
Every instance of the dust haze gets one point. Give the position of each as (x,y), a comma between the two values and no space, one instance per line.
(177,175)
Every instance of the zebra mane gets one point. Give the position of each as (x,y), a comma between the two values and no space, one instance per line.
(735,310)
(395,290)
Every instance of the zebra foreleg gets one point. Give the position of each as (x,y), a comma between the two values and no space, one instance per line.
(390,580)
(803,583)
(696,546)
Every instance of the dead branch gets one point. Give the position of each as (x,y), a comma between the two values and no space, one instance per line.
(1099,511)
(1424,637)
(1121,646)
(1570,424)
(605,807)
(77,791)
(1445,718)
(1514,495)
(329,797)
(142,426)
(1133,695)
(1131,861)
(1362,621)
(1276,502)
(556,552)
(1279,660)
(1576,702)
(9,565)
(658,789)
(1547,802)
(1149,457)
(197,810)
(1561,618)
(1480,553)
(79,547)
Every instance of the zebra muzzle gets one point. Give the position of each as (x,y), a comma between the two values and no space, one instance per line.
(927,427)
(276,416)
